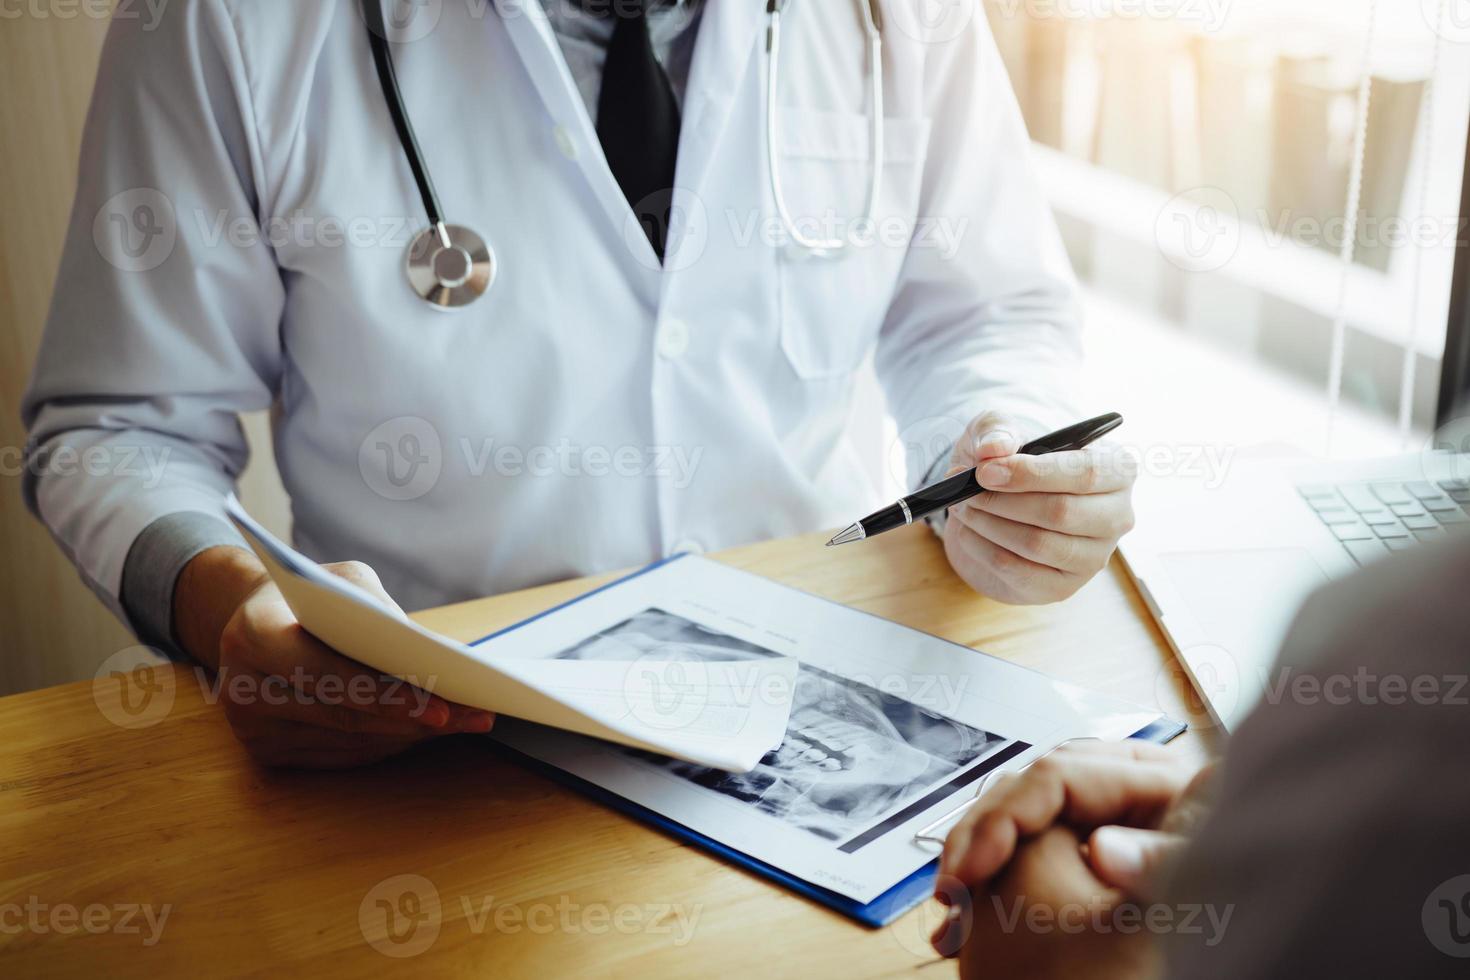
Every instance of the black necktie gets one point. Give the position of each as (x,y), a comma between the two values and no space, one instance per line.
(638,121)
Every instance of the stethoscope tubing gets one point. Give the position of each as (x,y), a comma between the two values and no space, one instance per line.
(873,27)
(388,78)
(463,239)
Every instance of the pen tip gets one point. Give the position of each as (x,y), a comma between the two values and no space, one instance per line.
(853,532)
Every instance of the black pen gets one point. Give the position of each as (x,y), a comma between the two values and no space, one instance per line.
(963,486)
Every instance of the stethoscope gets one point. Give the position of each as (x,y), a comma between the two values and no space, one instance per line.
(873,27)
(450,266)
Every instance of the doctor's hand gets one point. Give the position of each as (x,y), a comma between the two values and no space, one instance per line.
(290,699)
(1045,524)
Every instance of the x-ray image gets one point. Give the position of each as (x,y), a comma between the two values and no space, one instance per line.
(657,635)
(851,753)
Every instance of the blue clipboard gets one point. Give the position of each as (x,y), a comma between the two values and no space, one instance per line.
(882,910)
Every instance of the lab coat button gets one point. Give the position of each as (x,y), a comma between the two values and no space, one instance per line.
(565,143)
(687,545)
(673,338)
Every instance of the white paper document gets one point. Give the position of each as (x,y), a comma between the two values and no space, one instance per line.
(809,736)
(715,723)
(889,729)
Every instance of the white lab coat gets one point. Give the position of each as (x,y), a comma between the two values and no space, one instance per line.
(652,410)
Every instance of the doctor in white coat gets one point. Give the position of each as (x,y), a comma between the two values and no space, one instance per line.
(647,372)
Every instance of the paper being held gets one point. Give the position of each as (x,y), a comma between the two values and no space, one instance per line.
(722,714)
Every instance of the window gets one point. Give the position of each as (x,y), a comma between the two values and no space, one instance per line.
(1198,154)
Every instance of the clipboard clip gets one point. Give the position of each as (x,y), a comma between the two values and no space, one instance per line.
(927,835)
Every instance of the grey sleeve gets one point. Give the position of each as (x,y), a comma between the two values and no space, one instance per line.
(152,569)
(1338,846)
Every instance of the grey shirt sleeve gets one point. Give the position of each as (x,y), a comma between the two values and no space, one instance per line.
(1338,847)
(152,569)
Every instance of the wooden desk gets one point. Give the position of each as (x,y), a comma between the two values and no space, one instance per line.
(266,870)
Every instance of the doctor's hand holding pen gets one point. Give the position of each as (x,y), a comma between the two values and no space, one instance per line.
(1045,525)
(291,699)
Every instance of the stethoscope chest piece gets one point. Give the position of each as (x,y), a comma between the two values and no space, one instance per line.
(450,266)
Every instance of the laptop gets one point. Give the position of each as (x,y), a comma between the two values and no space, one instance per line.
(1224,569)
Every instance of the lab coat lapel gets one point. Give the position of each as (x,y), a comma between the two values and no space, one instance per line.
(535,42)
(722,55)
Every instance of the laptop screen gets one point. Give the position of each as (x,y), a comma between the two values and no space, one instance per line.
(1454,389)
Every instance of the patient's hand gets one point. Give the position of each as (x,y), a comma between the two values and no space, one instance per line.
(1086,786)
(1130,802)
(1048,915)
(1045,524)
(291,699)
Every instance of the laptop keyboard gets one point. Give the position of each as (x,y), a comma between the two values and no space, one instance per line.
(1373,519)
